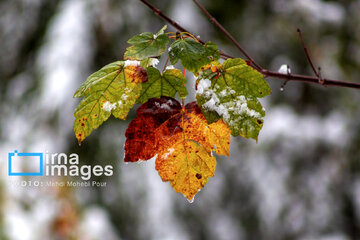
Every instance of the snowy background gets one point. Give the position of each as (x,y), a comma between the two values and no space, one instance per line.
(300,181)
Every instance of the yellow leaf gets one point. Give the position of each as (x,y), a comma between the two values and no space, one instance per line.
(187,166)
(184,146)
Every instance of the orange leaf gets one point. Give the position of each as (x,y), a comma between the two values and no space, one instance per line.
(183,140)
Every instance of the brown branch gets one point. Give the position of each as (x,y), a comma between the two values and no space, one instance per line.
(227,34)
(309,79)
(266,73)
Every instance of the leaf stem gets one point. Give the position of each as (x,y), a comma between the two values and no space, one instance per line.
(167,60)
(192,36)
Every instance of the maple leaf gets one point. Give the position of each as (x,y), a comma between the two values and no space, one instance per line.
(192,54)
(166,84)
(147,45)
(182,140)
(113,89)
(230,91)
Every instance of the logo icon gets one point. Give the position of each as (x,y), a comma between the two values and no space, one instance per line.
(33,158)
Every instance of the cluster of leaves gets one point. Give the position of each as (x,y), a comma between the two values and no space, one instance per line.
(182,137)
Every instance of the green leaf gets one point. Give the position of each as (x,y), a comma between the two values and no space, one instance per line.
(230,92)
(166,84)
(113,89)
(192,54)
(147,45)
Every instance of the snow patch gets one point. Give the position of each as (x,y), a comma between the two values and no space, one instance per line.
(153,62)
(203,85)
(108,106)
(284,69)
(237,108)
(131,63)
(124,96)
(164,105)
(169,67)
(169,152)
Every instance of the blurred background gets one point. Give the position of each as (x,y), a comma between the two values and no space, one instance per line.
(300,181)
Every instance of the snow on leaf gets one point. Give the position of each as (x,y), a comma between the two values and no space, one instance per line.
(170,67)
(166,84)
(103,92)
(147,45)
(149,62)
(230,92)
(108,106)
(131,63)
(192,54)
(182,140)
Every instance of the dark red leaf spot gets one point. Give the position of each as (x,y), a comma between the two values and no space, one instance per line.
(259,121)
(141,74)
(82,124)
(198,176)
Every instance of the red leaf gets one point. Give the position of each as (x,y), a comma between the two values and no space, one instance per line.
(140,135)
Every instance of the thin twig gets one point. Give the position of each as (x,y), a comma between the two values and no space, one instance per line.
(265,72)
(307,54)
(227,34)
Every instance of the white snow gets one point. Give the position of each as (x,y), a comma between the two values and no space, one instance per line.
(169,152)
(131,63)
(285,69)
(108,106)
(169,67)
(124,96)
(165,106)
(170,102)
(203,85)
(153,62)
(237,108)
